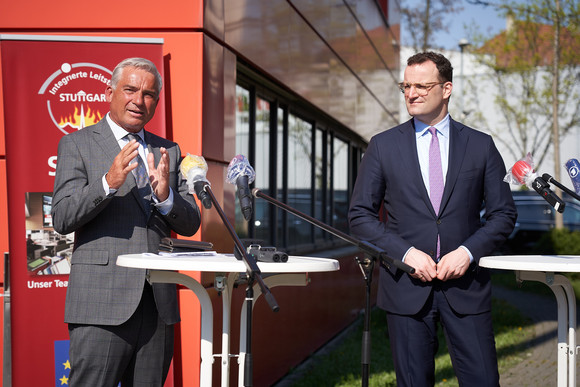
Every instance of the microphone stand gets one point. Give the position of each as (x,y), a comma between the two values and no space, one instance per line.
(254,274)
(366,266)
(550,179)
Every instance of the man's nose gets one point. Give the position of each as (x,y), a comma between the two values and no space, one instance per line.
(138,98)
(412,93)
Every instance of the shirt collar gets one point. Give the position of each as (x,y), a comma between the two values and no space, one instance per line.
(442,127)
(119,132)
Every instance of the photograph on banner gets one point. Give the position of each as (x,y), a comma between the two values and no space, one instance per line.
(47,252)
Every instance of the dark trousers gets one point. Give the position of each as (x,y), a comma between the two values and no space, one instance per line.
(135,353)
(469,339)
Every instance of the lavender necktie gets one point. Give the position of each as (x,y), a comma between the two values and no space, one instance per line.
(141,175)
(436,184)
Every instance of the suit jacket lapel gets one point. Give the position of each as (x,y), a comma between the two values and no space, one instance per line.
(410,161)
(108,143)
(153,147)
(457,148)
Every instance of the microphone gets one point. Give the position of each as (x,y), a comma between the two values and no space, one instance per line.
(543,188)
(573,169)
(194,170)
(241,173)
(523,173)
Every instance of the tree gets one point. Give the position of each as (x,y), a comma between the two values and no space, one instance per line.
(423,19)
(535,67)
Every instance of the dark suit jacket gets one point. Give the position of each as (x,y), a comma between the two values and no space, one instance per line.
(390,174)
(99,291)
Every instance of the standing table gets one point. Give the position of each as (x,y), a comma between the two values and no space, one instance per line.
(542,268)
(227,270)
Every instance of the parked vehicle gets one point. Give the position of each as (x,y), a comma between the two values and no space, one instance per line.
(536,217)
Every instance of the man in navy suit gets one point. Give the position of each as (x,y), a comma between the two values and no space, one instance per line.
(432,174)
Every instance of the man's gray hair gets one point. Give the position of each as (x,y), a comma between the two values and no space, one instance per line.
(140,63)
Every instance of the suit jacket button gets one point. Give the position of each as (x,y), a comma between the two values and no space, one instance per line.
(438,221)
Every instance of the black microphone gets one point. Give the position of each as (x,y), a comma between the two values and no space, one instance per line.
(241,173)
(523,172)
(543,188)
(549,179)
(194,170)
(202,195)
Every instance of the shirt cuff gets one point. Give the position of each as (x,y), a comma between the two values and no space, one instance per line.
(407,252)
(468,253)
(165,206)
(108,190)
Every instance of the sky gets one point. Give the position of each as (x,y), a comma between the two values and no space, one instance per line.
(488,21)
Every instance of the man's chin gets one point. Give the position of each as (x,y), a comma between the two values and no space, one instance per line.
(134,125)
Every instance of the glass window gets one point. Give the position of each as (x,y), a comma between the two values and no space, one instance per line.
(320,182)
(242,120)
(340,182)
(261,165)
(299,179)
(299,161)
(280,214)
(242,147)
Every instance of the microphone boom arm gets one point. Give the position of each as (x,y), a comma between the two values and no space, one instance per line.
(251,266)
(550,179)
(367,247)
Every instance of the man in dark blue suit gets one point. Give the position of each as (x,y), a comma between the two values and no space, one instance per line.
(432,174)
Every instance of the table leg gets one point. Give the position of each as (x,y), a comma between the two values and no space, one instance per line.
(206,349)
(226,295)
(300,279)
(566,303)
(571,297)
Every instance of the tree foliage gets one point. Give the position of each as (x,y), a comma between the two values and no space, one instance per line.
(423,19)
(535,68)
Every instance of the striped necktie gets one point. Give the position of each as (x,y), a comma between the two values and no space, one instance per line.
(141,175)
(436,184)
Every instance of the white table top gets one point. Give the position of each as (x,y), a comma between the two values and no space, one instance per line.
(224,263)
(546,263)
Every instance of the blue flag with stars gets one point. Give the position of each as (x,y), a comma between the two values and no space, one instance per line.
(61,362)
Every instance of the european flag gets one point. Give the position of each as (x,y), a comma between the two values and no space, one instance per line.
(61,362)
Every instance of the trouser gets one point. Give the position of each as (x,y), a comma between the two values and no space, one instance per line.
(469,339)
(135,353)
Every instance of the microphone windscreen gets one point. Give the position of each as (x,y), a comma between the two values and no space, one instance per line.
(240,166)
(573,169)
(521,170)
(193,166)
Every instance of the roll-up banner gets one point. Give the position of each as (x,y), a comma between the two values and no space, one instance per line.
(52,85)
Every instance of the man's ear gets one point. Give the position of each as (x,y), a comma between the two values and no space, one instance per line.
(447,88)
(108,94)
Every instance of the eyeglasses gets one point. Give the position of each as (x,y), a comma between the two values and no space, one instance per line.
(421,88)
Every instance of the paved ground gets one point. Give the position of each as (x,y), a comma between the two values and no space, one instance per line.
(539,369)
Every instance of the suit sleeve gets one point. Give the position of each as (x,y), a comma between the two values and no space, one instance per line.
(500,211)
(184,218)
(367,199)
(78,198)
